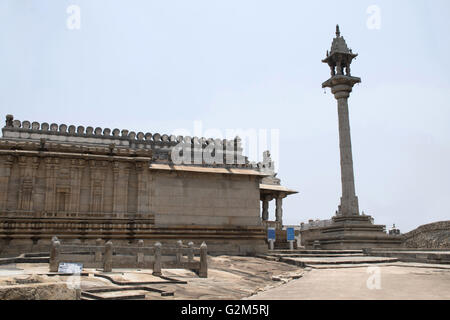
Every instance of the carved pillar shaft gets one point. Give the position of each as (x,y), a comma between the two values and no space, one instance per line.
(279,210)
(142,195)
(4,182)
(76,174)
(97,172)
(349,202)
(265,209)
(121,175)
(50,188)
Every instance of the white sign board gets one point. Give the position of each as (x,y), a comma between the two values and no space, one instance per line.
(67,267)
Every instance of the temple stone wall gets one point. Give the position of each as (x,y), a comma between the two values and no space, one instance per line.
(52,186)
(59,187)
(201,199)
(83,184)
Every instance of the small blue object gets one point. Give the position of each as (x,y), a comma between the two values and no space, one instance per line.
(271,234)
(290,234)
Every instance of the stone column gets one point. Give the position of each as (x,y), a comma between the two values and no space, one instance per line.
(157,263)
(265,208)
(97,172)
(98,250)
(179,253)
(120,200)
(203,272)
(142,194)
(349,201)
(140,254)
(279,210)
(191,251)
(76,172)
(54,255)
(108,257)
(4,182)
(51,166)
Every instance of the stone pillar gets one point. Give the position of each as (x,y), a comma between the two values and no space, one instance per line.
(279,210)
(97,171)
(265,208)
(108,257)
(98,250)
(191,251)
(179,251)
(349,201)
(27,172)
(157,263)
(4,182)
(54,255)
(120,199)
(51,167)
(75,192)
(140,254)
(341,85)
(142,194)
(203,272)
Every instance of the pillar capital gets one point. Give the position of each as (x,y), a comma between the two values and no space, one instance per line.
(341,85)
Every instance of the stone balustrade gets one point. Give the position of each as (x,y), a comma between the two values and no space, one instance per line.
(107,256)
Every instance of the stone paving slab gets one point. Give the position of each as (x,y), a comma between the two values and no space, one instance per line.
(405,283)
(339,260)
(393,264)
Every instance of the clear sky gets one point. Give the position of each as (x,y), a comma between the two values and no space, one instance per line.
(158,66)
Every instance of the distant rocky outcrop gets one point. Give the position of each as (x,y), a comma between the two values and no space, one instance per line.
(433,235)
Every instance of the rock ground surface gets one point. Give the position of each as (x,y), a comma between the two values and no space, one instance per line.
(232,277)
(229,277)
(404,281)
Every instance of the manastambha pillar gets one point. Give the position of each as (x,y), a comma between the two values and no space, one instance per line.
(341,83)
(348,228)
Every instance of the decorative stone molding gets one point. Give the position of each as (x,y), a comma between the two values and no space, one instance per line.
(73,138)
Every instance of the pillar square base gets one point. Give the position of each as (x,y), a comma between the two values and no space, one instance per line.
(351,232)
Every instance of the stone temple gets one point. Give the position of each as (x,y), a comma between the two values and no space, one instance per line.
(81,184)
(348,229)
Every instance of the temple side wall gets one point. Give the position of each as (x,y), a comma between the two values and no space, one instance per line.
(81,198)
(60,187)
(205,199)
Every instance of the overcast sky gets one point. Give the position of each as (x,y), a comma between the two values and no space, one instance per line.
(158,66)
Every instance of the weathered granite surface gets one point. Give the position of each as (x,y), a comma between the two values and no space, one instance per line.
(34,287)
(432,235)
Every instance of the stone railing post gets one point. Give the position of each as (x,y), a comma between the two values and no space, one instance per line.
(55,251)
(179,251)
(157,263)
(107,259)
(140,254)
(191,251)
(203,272)
(98,250)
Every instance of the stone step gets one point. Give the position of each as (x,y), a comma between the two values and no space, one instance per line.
(311,255)
(335,261)
(305,251)
(422,256)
